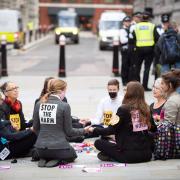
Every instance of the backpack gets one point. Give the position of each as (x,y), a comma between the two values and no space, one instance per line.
(171,48)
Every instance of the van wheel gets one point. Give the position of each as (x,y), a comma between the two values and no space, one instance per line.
(17,46)
(56,40)
(101,48)
(76,41)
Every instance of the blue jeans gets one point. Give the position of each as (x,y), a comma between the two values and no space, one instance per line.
(167,67)
(178,90)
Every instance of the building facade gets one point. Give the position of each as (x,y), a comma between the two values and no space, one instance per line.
(28,8)
(160,7)
(88,10)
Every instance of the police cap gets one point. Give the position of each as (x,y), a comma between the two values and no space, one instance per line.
(146,15)
(127,18)
(165,18)
(137,14)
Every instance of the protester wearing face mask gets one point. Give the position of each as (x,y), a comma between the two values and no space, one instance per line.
(52,124)
(108,105)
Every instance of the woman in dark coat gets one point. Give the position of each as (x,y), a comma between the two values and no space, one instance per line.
(11,107)
(130,126)
(15,143)
(52,123)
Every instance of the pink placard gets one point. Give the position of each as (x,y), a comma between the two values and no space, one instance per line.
(137,125)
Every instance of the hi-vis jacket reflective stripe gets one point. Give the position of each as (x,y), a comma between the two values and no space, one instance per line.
(144,34)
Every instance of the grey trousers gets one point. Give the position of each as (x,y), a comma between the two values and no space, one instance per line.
(68,155)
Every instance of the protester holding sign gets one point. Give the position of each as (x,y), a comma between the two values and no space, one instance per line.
(52,123)
(130,126)
(11,107)
(14,143)
(108,105)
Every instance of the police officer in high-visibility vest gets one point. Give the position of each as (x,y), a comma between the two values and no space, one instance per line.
(144,35)
(30,27)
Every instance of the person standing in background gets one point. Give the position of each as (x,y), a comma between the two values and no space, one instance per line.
(125,56)
(136,18)
(144,36)
(161,28)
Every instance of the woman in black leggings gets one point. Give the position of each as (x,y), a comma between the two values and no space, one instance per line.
(130,126)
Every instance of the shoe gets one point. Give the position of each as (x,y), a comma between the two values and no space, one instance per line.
(52,163)
(103,157)
(42,163)
(35,155)
(147,89)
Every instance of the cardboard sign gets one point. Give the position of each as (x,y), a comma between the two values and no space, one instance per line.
(4,153)
(137,125)
(108,165)
(65,166)
(92,170)
(15,121)
(47,113)
(114,120)
(107,117)
(5,167)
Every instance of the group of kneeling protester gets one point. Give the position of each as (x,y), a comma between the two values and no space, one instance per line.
(138,130)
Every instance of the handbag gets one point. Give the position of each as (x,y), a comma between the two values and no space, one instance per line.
(167,141)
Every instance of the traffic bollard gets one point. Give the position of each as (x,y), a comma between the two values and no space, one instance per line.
(40,31)
(3,56)
(35,34)
(30,35)
(62,43)
(24,37)
(115,67)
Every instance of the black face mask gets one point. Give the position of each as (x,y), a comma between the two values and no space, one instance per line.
(112,94)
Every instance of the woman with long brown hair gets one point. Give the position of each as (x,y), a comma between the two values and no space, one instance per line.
(130,127)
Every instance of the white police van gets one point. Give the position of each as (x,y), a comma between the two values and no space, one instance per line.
(110,23)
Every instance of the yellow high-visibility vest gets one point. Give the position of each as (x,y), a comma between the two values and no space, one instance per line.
(30,26)
(144,34)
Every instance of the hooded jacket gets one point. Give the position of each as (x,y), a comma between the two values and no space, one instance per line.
(159,50)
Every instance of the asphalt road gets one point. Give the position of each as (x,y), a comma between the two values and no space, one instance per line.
(83,59)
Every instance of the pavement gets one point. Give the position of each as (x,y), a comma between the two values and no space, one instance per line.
(83,95)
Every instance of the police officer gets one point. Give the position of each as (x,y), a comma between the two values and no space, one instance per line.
(144,36)
(124,36)
(165,18)
(136,18)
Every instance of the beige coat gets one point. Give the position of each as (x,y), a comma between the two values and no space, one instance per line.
(172,108)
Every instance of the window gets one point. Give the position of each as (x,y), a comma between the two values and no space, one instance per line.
(88,1)
(71,1)
(124,1)
(108,1)
(55,1)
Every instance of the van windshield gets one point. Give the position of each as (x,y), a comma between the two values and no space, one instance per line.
(67,21)
(108,25)
(8,24)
